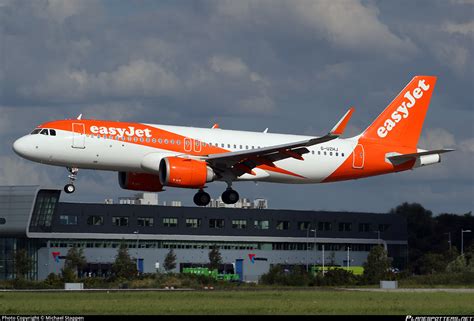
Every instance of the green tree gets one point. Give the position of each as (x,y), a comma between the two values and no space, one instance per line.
(170,261)
(124,266)
(458,265)
(432,263)
(420,226)
(377,265)
(75,260)
(23,263)
(215,258)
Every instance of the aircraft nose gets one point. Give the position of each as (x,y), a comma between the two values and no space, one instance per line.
(21,147)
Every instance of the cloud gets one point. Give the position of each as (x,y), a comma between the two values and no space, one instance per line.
(15,171)
(348,24)
(292,66)
(465,29)
(436,138)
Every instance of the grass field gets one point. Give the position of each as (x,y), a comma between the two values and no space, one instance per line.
(236,302)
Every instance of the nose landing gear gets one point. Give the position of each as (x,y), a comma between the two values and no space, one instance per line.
(70,188)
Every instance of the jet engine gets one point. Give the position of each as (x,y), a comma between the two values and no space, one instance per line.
(140,182)
(184,172)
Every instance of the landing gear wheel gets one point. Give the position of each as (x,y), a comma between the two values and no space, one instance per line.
(202,198)
(230,196)
(69,188)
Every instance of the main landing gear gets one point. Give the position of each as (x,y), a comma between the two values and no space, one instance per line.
(70,188)
(229,196)
(201,198)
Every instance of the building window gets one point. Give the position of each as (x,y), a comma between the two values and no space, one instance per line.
(68,220)
(324,226)
(170,222)
(44,208)
(216,223)
(383,227)
(364,227)
(261,225)
(345,227)
(239,224)
(120,220)
(303,226)
(145,221)
(95,220)
(283,225)
(193,222)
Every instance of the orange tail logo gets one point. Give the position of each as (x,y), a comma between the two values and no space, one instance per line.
(401,122)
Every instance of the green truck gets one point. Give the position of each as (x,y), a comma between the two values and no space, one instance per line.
(212,273)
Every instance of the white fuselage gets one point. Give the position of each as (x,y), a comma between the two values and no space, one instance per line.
(120,153)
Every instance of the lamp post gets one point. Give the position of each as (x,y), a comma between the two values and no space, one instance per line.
(323,259)
(348,264)
(378,236)
(136,232)
(307,247)
(449,239)
(315,249)
(462,239)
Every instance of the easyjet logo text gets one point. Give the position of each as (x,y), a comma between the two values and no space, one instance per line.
(129,131)
(403,111)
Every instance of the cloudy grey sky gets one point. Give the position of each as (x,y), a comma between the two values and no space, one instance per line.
(293,66)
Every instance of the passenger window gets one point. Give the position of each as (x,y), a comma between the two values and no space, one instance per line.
(228,145)
(319,152)
(240,146)
(337,154)
(235,146)
(246,146)
(330,153)
(342,154)
(44,132)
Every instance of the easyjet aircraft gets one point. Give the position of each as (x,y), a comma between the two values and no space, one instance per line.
(150,157)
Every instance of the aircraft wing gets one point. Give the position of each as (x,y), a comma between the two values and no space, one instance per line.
(241,162)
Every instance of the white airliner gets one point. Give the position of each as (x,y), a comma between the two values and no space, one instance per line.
(149,157)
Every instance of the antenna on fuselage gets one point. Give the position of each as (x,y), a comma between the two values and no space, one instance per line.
(265,131)
(79,117)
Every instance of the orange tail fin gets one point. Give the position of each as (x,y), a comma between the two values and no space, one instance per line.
(401,122)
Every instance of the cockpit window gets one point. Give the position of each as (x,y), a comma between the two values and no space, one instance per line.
(52,132)
(44,132)
(36,131)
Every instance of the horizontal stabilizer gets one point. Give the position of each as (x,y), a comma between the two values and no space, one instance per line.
(415,155)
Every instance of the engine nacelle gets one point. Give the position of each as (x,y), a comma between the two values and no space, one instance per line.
(140,182)
(184,172)
(427,160)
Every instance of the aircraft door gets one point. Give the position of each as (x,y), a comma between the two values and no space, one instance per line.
(188,144)
(358,157)
(78,136)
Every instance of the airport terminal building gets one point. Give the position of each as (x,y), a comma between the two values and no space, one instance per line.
(249,240)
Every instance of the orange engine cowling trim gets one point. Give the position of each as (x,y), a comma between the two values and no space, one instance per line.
(183,172)
(140,182)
